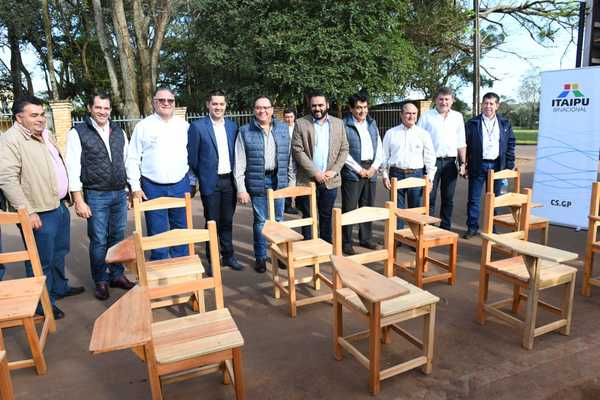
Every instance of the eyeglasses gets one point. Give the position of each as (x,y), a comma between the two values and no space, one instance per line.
(163,100)
(263,108)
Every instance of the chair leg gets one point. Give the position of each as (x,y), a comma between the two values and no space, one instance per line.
(530,317)
(292,289)
(198,302)
(484,280)
(516,298)
(238,372)
(226,377)
(275,273)
(6,388)
(452,262)
(35,346)
(386,338)
(428,339)
(424,261)
(153,377)
(419,266)
(338,329)
(374,347)
(316,280)
(546,229)
(567,306)
(588,267)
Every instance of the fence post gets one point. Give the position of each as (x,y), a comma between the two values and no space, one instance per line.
(61,117)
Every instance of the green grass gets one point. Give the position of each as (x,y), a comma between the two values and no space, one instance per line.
(526,136)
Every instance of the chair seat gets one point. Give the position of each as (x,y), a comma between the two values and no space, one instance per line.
(173,270)
(20,297)
(430,233)
(195,335)
(307,249)
(508,219)
(550,273)
(414,299)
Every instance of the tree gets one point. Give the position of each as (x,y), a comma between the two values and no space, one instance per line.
(529,94)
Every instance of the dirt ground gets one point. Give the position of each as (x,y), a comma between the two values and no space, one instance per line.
(292,359)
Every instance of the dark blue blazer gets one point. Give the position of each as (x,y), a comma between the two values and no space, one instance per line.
(474,136)
(203,157)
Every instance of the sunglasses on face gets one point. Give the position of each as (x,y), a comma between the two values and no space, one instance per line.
(163,100)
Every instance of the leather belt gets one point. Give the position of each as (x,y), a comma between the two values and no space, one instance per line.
(223,176)
(403,170)
(447,158)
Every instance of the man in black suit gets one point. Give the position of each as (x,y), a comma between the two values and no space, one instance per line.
(490,146)
(211,142)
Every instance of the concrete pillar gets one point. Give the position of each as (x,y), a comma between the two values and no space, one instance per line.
(62,122)
(181,112)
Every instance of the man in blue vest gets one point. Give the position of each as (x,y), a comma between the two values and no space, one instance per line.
(211,142)
(359,175)
(262,161)
(490,146)
(95,162)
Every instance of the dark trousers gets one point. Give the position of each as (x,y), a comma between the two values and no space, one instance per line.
(219,206)
(445,179)
(325,200)
(356,194)
(159,221)
(477,181)
(407,198)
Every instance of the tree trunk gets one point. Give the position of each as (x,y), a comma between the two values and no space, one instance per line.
(127,60)
(54,94)
(15,60)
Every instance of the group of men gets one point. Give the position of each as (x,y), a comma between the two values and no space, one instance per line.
(234,165)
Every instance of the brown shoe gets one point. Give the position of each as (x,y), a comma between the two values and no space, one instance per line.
(101,292)
(122,282)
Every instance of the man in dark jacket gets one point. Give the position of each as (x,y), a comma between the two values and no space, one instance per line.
(490,146)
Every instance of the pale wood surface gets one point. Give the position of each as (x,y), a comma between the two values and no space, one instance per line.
(505,174)
(365,282)
(309,249)
(278,233)
(532,249)
(414,217)
(162,203)
(126,324)
(162,272)
(550,272)
(174,237)
(122,252)
(510,199)
(429,233)
(19,297)
(408,183)
(365,214)
(291,191)
(508,219)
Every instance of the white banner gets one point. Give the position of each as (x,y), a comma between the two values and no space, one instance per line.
(568,144)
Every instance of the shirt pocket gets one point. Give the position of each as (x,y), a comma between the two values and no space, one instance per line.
(416,147)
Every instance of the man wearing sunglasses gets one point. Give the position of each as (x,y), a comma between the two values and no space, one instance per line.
(157,166)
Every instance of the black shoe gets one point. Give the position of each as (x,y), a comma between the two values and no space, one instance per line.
(58,313)
(101,291)
(260,266)
(122,282)
(348,250)
(370,245)
(292,210)
(232,263)
(72,291)
(469,234)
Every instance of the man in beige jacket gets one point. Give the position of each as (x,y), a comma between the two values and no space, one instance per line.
(33,176)
(320,149)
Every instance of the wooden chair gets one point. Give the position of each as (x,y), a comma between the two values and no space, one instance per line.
(534,268)
(592,244)
(510,220)
(290,250)
(174,349)
(19,298)
(368,214)
(423,236)
(6,388)
(383,303)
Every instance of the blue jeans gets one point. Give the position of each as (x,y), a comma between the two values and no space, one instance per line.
(260,208)
(445,179)
(53,242)
(477,181)
(159,221)
(411,196)
(325,201)
(106,227)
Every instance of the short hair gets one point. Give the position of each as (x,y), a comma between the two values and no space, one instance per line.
(289,110)
(444,91)
(163,88)
(356,97)
(100,95)
(262,96)
(406,103)
(215,92)
(491,95)
(23,101)
(316,93)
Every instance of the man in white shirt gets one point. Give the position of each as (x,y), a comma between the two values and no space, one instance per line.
(289,117)
(490,146)
(359,174)
(157,166)
(447,130)
(407,148)
(95,160)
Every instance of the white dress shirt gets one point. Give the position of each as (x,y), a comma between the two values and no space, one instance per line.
(157,151)
(366,148)
(447,134)
(490,135)
(224,166)
(73,156)
(408,149)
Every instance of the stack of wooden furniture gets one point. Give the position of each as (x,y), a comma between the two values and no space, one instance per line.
(178,348)
(19,298)
(422,236)
(289,250)
(530,269)
(592,245)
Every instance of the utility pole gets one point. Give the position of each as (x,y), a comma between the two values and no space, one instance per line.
(476,56)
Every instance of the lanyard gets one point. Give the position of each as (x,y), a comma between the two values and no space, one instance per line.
(489,131)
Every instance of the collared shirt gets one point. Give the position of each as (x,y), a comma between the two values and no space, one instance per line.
(447,134)
(157,151)
(270,154)
(490,135)
(321,152)
(73,156)
(291,130)
(366,147)
(222,146)
(408,149)
(60,171)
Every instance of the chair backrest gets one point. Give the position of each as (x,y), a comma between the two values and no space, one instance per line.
(295,191)
(176,237)
(509,174)
(162,203)
(520,205)
(594,217)
(411,183)
(30,253)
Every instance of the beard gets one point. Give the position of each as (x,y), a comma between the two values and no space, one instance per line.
(319,114)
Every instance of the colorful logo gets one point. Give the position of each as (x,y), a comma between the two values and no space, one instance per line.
(571,88)
(570,99)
